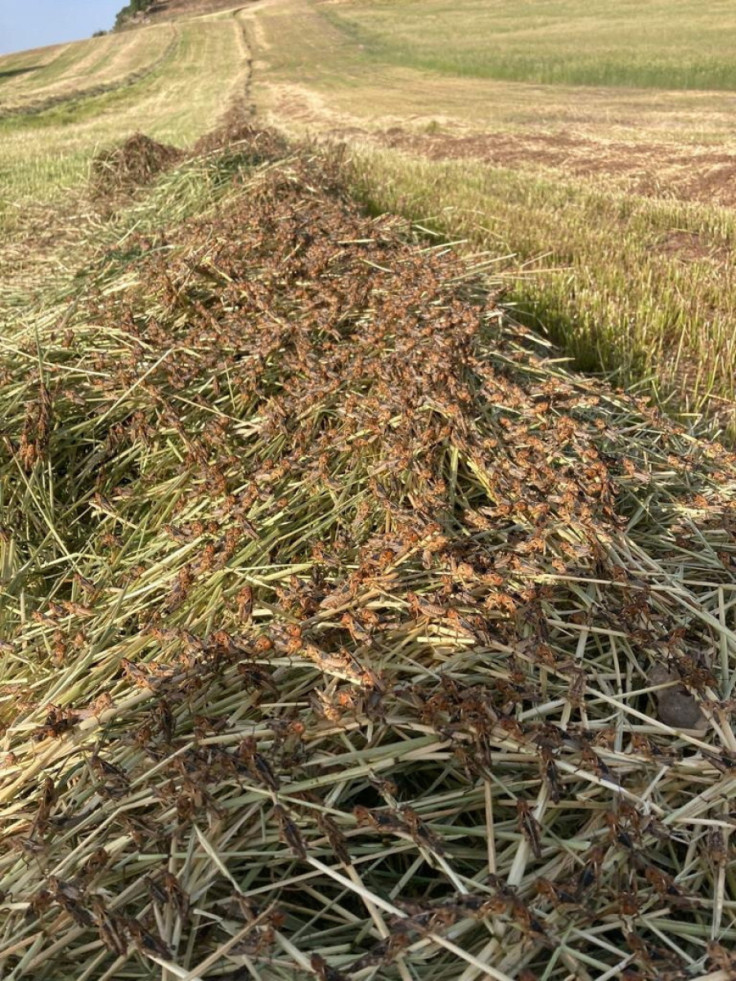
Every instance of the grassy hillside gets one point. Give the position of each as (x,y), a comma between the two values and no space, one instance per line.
(159,10)
(37,80)
(664,44)
(618,199)
(346,632)
(173,81)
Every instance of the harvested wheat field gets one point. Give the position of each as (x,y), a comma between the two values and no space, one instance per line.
(333,609)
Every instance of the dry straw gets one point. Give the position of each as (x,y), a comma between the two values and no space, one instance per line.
(328,603)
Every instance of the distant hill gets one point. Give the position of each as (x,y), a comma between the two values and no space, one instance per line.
(169,9)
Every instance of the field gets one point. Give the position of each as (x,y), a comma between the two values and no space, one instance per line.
(347,632)
(618,199)
(54,119)
(660,44)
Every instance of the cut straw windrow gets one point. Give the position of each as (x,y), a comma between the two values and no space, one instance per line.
(329,603)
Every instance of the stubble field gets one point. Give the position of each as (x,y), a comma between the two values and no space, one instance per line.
(592,147)
(84,96)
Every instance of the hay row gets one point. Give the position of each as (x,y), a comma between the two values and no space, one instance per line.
(329,604)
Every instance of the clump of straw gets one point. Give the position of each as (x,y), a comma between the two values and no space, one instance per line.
(130,165)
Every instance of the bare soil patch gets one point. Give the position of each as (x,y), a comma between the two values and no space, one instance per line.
(693,172)
(688,246)
(658,170)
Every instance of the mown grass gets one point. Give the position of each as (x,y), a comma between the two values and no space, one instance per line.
(42,154)
(78,106)
(677,44)
(81,68)
(24,62)
(638,288)
(301,49)
(641,288)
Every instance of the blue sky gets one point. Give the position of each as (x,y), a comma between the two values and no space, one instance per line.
(34,23)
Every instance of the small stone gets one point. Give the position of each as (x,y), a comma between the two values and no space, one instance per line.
(676,706)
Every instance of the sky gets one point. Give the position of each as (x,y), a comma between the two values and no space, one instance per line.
(35,23)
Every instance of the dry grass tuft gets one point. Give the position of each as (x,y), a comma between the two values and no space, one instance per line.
(329,601)
(252,144)
(127,166)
